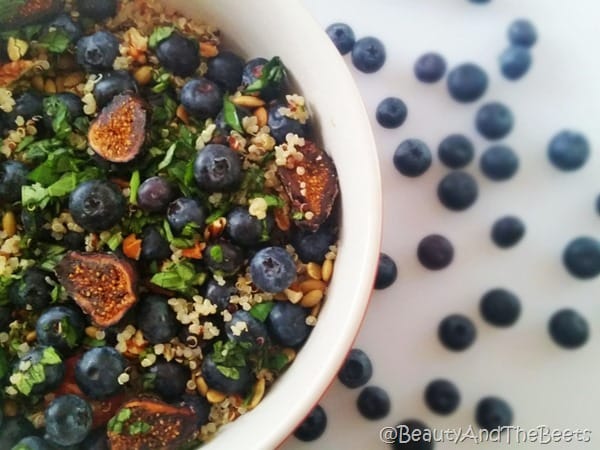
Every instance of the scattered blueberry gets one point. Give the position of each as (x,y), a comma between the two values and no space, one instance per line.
(435,252)
(494,120)
(412,157)
(500,307)
(217,294)
(522,32)
(68,420)
(373,403)
(226,69)
(456,332)
(499,162)
(386,272)
(245,229)
(272,269)
(568,328)
(168,379)
(155,194)
(186,211)
(515,62)
(61,327)
(313,246)
(215,379)
(31,292)
(467,82)
(253,71)
(568,150)
(456,151)
(154,246)
(13,176)
(582,257)
(97,9)
(223,258)
(199,405)
(313,426)
(507,231)
(357,369)
(430,67)
(218,169)
(287,324)
(202,98)
(458,190)
(391,112)
(342,37)
(64,23)
(97,52)
(98,370)
(368,54)
(113,83)
(281,125)
(179,55)
(97,205)
(492,413)
(29,104)
(255,332)
(442,396)
(407,432)
(157,320)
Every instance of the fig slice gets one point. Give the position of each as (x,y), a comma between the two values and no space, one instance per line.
(117,135)
(312,186)
(32,11)
(146,423)
(103,285)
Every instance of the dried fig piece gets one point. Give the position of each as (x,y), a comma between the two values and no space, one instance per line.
(103,285)
(150,424)
(311,184)
(118,133)
(30,12)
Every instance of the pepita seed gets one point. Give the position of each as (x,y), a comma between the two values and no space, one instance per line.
(208,50)
(9,223)
(248,101)
(259,392)
(143,75)
(38,82)
(311,285)
(314,270)
(60,84)
(91,332)
(31,336)
(215,396)
(73,79)
(201,386)
(261,116)
(312,298)
(327,270)
(50,87)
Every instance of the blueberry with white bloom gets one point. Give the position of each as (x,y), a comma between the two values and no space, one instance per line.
(272,269)
(522,32)
(430,67)
(515,62)
(568,150)
(467,82)
(391,112)
(568,328)
(68,420)
(342,37)
(368,54)
(499,163)
(412,158)
(581,257)
(456,151)
(494,120)
(97,52)
(98,370)
(287,324)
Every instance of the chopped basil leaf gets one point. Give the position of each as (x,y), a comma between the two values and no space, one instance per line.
(67,183)
(298,215)
(261,311)
(273,73)
(24,143)
(34,195)
(158,35)
(229,372)
(123,415)
(5,282)
(56,41)
(52,255)
(134,185)
(114,241)
(8,9)
(254,180)
(168,232)
(69,333)
(139,427)
(168,157)
(181,277)
(216,253)
(231,116)
(273,200)
(231,353)
(277,361)
(90,342)
(162,80)
(58,111)
(50,357)
(164,114)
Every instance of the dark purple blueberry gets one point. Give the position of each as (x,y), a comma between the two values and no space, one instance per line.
(500,307)
(31,291)
(253,71)
(179,55)
(313,426)
(217,294)
(154,245)
(410,434)
(522,32)
(68,420)
(72,102)
(435,252)
(581,257)
(97,9)
(281,125)
(65,23)
(201,98)
(357,369)
(245,229)
(28,105)
(467,82)
(97,205)
(98,370)
(412,158)
(33,443)
(199,405)
(430,67)
(255,332)
(515,62)
(223,258)
(155,194)
(387,272)
(456,151)
(97,52)
(568,328)
(157,320)
(61,327)
(185,211)
(226,69)
(507,231)
(368,54)
(391,112)
(14,429)
(112,84)
(494,120)
(223,127)
(218,168)
(287,324)
(373,403)
(442,396)
(168,379)
(568,150)
(493,413)
(53,369)
(458,190)
(313,246)
(272,269)
(13,176)
(217,380)
(456,332)
(499,163)
(342,37)
(74,240)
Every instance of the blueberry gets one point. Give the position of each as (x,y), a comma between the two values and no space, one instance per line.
(456,151)
(97,9)
(410,436)
(223,258)
(494,120)
(154,246)
(217,294)
(357,369)
(28,105)
(226,69)
(98,370)
(155,194)
(391,112)
(254,334)
(97,205)
(581,257)
(287,324)
(500,307)
(74,240)
(507,231)
(65,23)
(467,82)
(568,150)
(456,332)
(13,176)
(387,272)
(253,71)
(14,429)
(218,168)
(201,98)
(515,62)
(272,269)
(499,163)
(492,413)
(373,403)
(53,370)
(73,103)
(31,291)
(68,420)
(61,327)
(216,380)
(157,320)
(568,328)
(281,125)
(113,83)
(223,127)
(169,379)
(199,405)
(185,211)
(313,246)
(97,52)
(368,54)
(313,425)
(430,67)
(33,443)
(458,190)
(412,157)
(179,55)
(442,396)
(34,223)
(96,440)
(342,37)
(522,32)
(245,229)
(435,252)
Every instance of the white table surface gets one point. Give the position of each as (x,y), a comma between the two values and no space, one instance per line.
(544,384)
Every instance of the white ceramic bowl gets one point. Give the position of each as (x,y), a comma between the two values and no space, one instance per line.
(284,28)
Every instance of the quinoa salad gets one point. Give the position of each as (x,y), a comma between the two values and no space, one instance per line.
(169,226)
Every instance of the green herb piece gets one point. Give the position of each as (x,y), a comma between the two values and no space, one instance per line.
(90,342)
(35,195)
(123,415)
(261,311)
(50,357)
(164,114)
(114,241)
(9,8)
(158,35)
(254,180)
(190,229)
(297,215)
(56,41)
(273,73)
(134,185)
(162,79)
(69,333)
(148,381)
(182,243)
(67,183)
(82,124)
(24,143)
(181,277)
(168,157)
(55,108)
(229,372)
(168,232)
(57,293)
(276,362)
(231,353)
(273,200)
(52,254)
(139,427)
(5,282)
(216,253)
(230,115)
(30,32)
